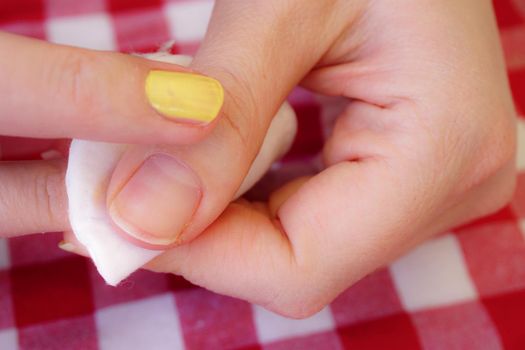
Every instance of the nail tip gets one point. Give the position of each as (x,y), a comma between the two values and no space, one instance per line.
(66,246)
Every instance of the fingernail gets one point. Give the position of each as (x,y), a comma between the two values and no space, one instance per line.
(184,96)
(158,201)
(68,247)
(51,154)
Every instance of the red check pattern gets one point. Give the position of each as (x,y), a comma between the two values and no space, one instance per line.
(461,290)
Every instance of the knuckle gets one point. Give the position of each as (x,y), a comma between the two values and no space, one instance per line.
(500,189)
(299,305)
(297,298)
(50,196)
(73,80)
(487,180)
(496,153)
(503,141)
(505,191)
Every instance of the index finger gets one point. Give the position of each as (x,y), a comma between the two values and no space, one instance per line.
(54,91)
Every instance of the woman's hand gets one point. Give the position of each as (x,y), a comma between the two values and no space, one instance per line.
(426,142)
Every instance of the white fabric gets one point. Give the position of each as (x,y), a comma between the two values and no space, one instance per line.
(9,339)
(272,327)
(188,20)
(521,144)
(91,31)
(432,275)
(147,325)
(4,254)
(90,167)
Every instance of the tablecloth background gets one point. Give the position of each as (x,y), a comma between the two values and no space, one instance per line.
(462,290)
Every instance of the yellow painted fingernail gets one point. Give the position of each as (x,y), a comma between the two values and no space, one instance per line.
(184,96)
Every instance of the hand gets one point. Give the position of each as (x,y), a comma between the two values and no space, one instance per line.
(55,92)
(426,142)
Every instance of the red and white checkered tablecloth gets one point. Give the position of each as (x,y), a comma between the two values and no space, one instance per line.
(461,290)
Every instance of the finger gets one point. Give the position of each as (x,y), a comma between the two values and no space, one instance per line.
(32,197)
(76,93)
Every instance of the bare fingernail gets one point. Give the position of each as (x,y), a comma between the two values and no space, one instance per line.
(158,201)
(66,246)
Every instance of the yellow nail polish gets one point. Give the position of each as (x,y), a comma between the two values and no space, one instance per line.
(184,95)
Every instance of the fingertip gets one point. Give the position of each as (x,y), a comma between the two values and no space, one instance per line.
(186,105)
(70,244)
(184,96)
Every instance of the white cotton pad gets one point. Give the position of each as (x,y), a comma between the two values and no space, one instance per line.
(90,167)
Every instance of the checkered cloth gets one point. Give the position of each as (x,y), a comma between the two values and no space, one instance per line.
(461,290)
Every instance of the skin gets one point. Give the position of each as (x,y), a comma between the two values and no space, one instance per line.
(426,142)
